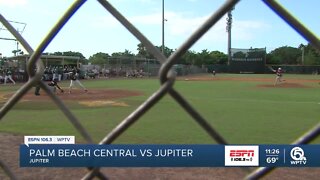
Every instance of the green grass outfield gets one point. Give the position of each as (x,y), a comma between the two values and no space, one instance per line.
(239,110)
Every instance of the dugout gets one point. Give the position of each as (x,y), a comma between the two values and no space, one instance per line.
(19,63)
(48,60)
(248,60)
(121,65)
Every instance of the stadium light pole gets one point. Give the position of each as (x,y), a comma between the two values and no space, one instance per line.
(229,25)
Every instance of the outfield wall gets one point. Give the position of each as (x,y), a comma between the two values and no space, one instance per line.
(296,69)
(292,69)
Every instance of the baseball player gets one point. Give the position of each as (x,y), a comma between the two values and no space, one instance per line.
(278,79)
(8,75)
(55,85)
(74,78)
(37,91)
(213,73)
(1,74)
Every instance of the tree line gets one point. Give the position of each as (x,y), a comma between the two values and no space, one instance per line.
(301,55)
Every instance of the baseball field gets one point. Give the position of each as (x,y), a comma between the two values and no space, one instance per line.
(243,108)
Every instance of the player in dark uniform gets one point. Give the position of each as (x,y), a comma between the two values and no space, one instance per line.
(8,75)
(2,74)
(55,85)
(37,91)
(213,73)
(74,78)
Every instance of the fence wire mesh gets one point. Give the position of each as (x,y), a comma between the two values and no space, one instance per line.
(166,77)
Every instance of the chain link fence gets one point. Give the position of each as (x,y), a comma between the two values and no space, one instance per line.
(166,77)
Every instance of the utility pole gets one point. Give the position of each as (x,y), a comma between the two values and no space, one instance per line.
(163,26)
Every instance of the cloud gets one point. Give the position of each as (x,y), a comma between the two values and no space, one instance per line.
(150,19)
(184,24)
(145,1)
(247,29)
(108,21)
(13,3)
(104,22)
(242,30)
(180,25)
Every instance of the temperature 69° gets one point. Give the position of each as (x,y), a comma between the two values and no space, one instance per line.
(272,160)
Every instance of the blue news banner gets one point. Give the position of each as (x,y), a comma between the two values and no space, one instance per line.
(83,155)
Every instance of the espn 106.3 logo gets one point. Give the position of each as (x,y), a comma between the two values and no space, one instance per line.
(241,156)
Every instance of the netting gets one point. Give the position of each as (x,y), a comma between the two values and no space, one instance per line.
(166,77)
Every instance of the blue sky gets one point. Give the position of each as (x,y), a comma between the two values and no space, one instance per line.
(92,29)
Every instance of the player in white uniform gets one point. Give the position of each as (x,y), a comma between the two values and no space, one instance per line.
(278,76)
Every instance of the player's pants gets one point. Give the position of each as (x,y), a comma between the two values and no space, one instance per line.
(72,82)
(278,79)
(37,91)
(10,78)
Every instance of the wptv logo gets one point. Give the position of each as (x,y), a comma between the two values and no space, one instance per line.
(241,156)
(297,155)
